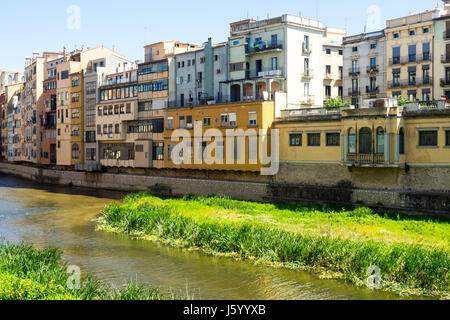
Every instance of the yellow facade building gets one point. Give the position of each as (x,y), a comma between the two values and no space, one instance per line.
(204,145)
(395,137)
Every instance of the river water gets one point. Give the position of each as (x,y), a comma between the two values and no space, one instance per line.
(64,217)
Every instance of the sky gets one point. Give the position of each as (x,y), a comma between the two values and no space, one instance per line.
(28,26)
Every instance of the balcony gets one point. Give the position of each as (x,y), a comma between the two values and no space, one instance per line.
(446,35)
(413,58)
(308,100)
(445,58)
(445,82)
(112,82)
(353,72)
(410,83)
(354,92)
(366,159)
(373,69)
(264,47)
(308,74)
(371,90)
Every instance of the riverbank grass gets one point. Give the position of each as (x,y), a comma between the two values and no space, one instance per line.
(413,254)
(30,274)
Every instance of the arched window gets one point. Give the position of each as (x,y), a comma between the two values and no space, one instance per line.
(401,141)
(365,141)
(351,141)
(75,151)
(380,140)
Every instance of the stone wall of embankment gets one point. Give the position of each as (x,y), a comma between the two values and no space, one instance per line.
(417,190)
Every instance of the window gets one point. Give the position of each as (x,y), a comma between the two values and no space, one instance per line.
(75,151)
(412,53)
(447,138)
(233,120)
(328,69)
(355,49)
(412,32)
(401,141)
(117,128)
(328,92)
(170,123)
(64,75)
(313,139)
(426,30)
(224,120)
(428,138)
(189,124)
(426,51)
(252,118)
(182,122)
(328,51)
(158,151)
(206,122)
(396,35)
(380,141)
(341,52)
(373,46)
(333,139)
(295,139)
(274,63)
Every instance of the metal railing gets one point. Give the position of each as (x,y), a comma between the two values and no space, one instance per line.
(413,58)
(264,46)
(366,159)
(410,83)
(354,92)
(112,82)
(373,69)
(354,72)
(308,73)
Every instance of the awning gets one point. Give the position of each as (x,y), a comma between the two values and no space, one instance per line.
(398,70)
(426,67)
(412,92)
(412,69)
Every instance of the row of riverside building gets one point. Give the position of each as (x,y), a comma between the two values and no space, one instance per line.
(93,108)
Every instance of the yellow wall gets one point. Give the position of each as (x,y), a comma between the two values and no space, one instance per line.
(265,116)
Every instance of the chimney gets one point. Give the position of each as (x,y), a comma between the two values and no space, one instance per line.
(35,54)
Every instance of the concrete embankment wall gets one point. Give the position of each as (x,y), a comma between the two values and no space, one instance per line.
(416,190)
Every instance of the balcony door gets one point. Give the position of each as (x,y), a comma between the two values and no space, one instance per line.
(365,141)
(258,67)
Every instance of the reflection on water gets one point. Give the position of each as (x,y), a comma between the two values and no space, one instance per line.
(64,217)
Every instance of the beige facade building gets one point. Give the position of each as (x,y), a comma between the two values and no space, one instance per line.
(334,63)
(68,120)
(34,104)
(409,56)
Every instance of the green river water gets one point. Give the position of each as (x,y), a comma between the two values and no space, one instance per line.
(64,217)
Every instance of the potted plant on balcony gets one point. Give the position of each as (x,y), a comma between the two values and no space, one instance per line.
(335,104)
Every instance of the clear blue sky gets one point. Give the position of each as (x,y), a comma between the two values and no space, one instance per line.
(42,25)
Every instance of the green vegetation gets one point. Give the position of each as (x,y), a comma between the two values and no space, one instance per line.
(334,103)
(412,253)
(30,274)
(402,101)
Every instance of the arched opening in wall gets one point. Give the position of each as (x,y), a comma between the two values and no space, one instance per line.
(365,141)
(274,87)
(380,140)
(248,91)
(75,151)
(351,141)
(401,141)
(261,87)
(235,93)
